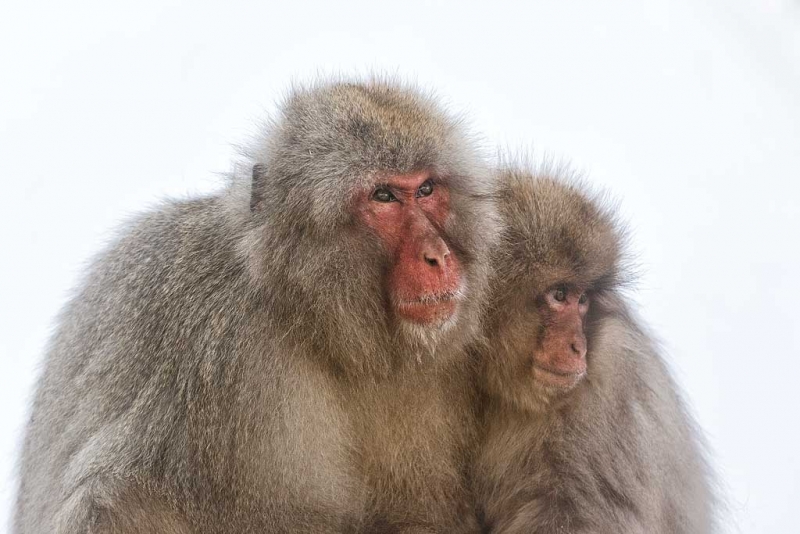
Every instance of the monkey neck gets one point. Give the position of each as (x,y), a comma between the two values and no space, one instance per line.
(531,403)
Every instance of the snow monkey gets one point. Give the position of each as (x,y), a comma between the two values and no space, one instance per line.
(583,430)
(284,355)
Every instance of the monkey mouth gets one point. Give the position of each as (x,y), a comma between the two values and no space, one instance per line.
(435,298)
(429,309)
(562,380)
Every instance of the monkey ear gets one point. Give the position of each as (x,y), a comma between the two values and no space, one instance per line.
(256,186)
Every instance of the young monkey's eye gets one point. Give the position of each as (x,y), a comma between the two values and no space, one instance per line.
(560,294)
(583,299)
(382,194)
(425,189)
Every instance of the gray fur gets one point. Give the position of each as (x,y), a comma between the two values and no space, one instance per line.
(618,454)
(228,364)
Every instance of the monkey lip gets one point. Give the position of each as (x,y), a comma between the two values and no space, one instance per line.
(557,379)
(429,309)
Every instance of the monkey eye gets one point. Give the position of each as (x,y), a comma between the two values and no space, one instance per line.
(560,294)
(583,299)
(425,189)
(382,194)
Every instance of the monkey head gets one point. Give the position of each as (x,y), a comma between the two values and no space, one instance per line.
(559,263)
(372,218)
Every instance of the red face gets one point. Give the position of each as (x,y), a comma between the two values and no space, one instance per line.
(408,213)
(559,359)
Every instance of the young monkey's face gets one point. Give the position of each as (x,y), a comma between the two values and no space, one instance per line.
(559,351)
(539,347)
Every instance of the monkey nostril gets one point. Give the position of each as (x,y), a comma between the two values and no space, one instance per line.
(435,253)
(578,348)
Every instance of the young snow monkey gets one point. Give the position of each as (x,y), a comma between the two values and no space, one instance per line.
(583,429)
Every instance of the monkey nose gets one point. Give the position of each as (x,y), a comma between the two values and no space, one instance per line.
(432,260)
(578,347)
(435,253)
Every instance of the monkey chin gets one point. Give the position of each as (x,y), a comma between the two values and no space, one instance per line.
(423,338)
(434,314)
(555,381)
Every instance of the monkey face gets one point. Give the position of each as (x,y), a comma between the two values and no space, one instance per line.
(559,356)
(538,345)
(408,213)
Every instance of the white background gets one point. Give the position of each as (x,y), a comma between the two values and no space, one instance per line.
(687,111)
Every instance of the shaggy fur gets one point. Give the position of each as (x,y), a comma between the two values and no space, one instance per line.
(229,366)
(618,454)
